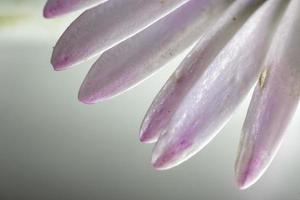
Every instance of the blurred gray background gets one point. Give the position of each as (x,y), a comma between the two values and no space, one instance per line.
(53,147)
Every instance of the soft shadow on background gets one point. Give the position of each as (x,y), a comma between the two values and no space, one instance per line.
(53,147)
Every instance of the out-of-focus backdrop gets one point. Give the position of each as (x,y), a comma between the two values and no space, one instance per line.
(53,147)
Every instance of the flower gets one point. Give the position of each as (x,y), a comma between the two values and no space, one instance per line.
(235,44)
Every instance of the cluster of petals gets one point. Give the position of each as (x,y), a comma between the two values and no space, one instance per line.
(236,44)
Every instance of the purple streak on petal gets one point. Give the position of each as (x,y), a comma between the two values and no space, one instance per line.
(54,8)
(274,101)
(165,104)
(146,52)
(106,25)
(217,91)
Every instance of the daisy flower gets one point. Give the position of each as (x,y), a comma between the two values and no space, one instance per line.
(235,45)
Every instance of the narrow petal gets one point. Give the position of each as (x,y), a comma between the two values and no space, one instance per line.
(163,107)
(146,52)
(56,8)
(274,101)
(102,27)
(216,91)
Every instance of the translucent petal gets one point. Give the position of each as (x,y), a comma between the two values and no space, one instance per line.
(102,27)
(173,93)
(216,91)
(130,62)
(56,8)
(274,101)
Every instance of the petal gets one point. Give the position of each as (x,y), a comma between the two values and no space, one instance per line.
(102,27)
(172,94)
(274,101)
(146,52)
(56,8)
(216,90)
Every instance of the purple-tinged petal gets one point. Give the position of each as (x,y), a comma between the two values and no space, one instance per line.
(56,8)
(274,101)
(146,52)
(106,25)
(217,89)
(164,105)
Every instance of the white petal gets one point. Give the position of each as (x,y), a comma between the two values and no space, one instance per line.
(102,27)
(165,104)
(274,101)
(55,8)
(216,90)
(130,62)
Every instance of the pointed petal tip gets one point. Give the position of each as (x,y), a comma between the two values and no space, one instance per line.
(163,159)
(86,99)
(248,172)
(60,62)
(159,164)
(58,69)
(145,136)
(82,97)
(50,12)
(87,95)
(243,182)
(145,139)
(47,13)
(169,153)
(57,66)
